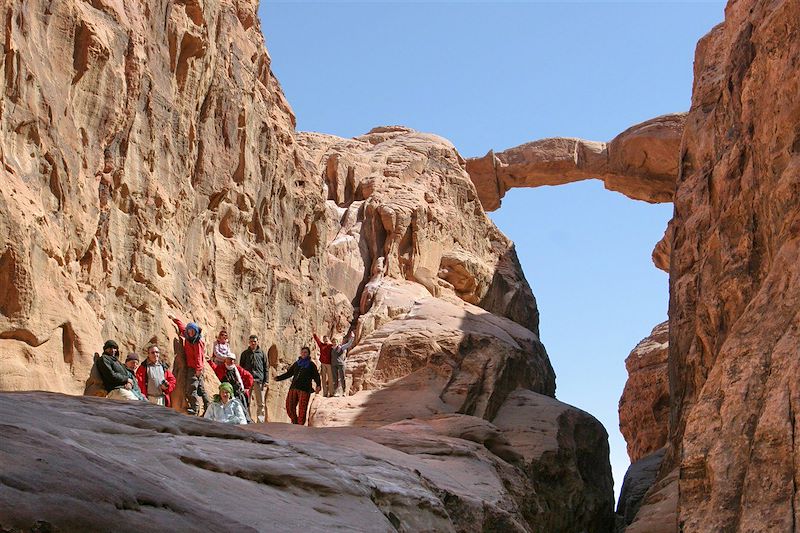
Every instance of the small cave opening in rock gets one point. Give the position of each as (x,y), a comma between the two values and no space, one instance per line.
(586,253)
(272,357)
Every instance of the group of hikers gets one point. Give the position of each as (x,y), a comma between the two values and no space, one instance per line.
(243,386)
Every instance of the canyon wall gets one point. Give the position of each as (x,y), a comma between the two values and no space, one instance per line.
(734,277)
(149,166)
(159,171)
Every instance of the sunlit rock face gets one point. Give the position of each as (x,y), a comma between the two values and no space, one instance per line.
(170,179)
(644,405)
(734,277)
(445,318)
(150,166)
(641,163)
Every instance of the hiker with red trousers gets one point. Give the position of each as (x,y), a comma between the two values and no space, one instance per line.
(326,373)
(302,372)
(195,350)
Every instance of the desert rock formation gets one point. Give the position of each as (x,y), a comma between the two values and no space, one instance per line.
(175,198)
(644,405)
(150,165)
(641,163)
(145,467)
(154,171)
(734,277)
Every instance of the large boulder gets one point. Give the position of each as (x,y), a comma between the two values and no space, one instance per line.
(638,479)
(435,356)
(565,456)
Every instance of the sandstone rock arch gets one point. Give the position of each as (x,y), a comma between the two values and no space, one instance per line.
(641,163)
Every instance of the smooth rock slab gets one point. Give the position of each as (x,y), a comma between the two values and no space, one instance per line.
(90,464)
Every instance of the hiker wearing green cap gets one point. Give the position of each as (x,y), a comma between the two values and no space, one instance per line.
(225,408)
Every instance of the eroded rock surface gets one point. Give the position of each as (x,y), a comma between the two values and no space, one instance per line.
(435,356)
(641,163)
(638,480)
(658,512)
(734,278)
(148,165)
(141,467)
(401,206)
(645,401)
(172,180)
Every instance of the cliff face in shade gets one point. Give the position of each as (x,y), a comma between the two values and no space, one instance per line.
(644,405)
(641,163)
(734,277)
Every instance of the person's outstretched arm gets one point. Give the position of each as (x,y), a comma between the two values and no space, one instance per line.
(289,373)
(181,325)
(346,346)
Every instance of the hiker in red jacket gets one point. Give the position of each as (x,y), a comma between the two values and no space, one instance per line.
(155,379)
(240,379)
(326,373)
(195,350)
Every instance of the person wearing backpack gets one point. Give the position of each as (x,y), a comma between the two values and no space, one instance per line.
(338,359)
(155,378)
(195,350)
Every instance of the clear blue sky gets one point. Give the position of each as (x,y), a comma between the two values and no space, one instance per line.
(494,75)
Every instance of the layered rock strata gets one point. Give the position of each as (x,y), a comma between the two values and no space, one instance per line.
(149,165)
(644,405)
(135,468)
(734,278)
(641,163)
(158,171)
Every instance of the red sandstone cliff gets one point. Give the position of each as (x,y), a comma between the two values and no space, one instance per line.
(734,277)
